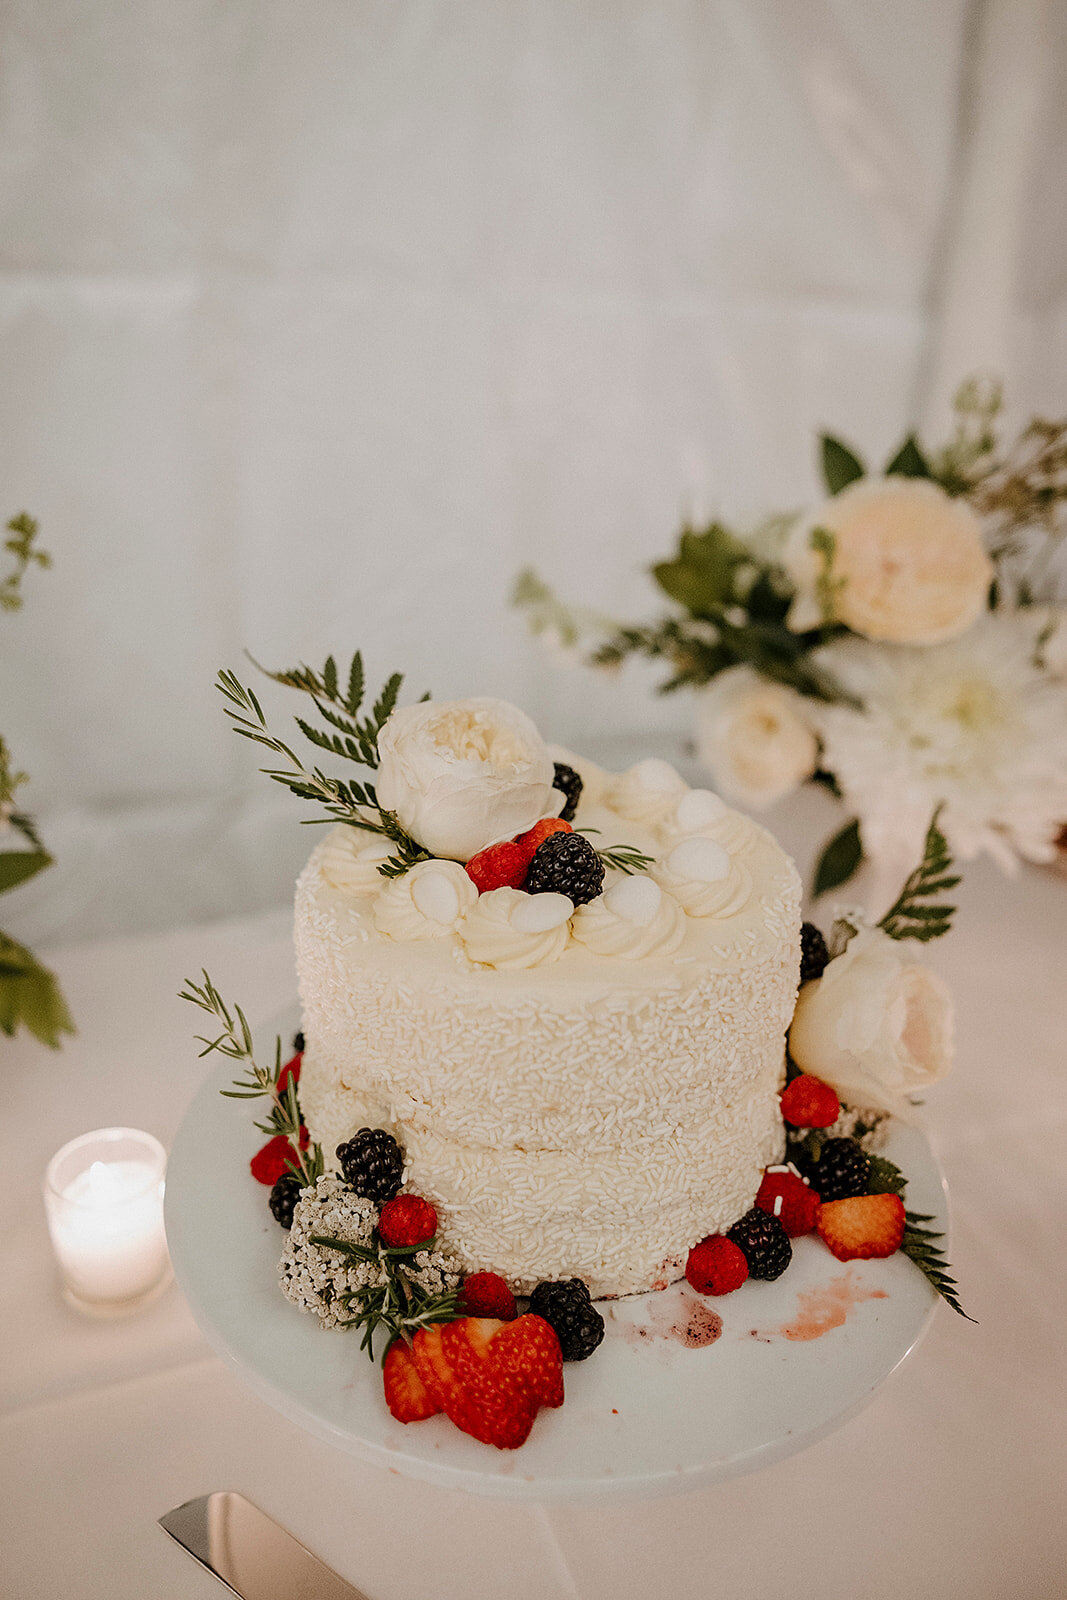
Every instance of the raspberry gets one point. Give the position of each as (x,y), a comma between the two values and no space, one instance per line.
(566,863)
(537,835)
(763,1240)
(373,1163)
(814,956)
(485,1294)
(406,1220)
(569,783)
(567,1308)
(809,1103)
(277,1156)
(843,1169)
(790,1199)
(716,1266)
(501,866)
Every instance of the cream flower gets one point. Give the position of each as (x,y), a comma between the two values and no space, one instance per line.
(464,774)
(876,1026)
(908,563)
(510,930)
(426,902)
(754,737)
(974,725)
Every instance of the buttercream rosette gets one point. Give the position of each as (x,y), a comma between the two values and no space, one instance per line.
(633,919)
(427,902)
(647,792)
(704,879)
(350,860)
(509,930)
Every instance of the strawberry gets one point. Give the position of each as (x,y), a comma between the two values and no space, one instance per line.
(485,1294)
(290,1070)
(501,866)
(863,1226)
(490,1377)
(716,1266)
(541,831)
(405,1393)
(807,1102)
(276,1157)
(406,1220)
(790,1199)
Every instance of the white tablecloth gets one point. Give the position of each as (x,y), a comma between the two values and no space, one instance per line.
(950,1483)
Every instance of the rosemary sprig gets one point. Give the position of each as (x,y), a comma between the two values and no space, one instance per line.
(258,1082)
(23,530)
(401,1305)
(918,1245)
(910,917)
(625,858)
(355,804)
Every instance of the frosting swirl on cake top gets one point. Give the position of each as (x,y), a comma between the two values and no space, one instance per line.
(633,919)
(508,929)
(427,902)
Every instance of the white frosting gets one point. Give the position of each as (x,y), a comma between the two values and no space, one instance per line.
(632,919)
(594,1115)
(648,792)
(350,863)
(704,879)
(700,811)
(510,930)
(427,902)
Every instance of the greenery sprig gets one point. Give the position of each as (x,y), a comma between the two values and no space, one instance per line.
(353,803)
(399,1306)
(21,545)
(258,1082)
(625,858)
(912,915)
(919,1246)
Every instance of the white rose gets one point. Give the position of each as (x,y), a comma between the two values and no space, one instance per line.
(875,1026)
(464,774)
(754,737)
(908,563)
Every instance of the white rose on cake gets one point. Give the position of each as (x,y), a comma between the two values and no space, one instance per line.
(876,1026)
(754,737)
(907,565)
(464,774)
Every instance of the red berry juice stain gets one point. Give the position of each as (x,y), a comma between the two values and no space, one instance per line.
(676,1315)
(820,1310)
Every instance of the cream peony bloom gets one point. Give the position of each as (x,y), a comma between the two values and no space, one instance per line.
(908,563)
(754,737)
(876,1026)
(464,774)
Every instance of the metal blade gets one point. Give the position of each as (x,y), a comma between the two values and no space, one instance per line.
(250,1553)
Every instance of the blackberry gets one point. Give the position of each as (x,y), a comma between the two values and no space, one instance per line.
(569,1311)
(814,955)
(842,1170)
(298,1043)
(566,863)
(283,1198)
(373,1163)
(763,1242)
(568,782)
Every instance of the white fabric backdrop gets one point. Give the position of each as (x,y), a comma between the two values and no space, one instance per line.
(320,321)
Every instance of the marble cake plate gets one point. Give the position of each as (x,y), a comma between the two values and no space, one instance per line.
(684,1390)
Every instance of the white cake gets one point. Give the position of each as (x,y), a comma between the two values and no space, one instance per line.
(579,1092)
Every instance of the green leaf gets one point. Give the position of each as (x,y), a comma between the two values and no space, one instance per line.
(840,858)
(885,1176)
(839,466)
(329,678)
(355,684)
(30,997)
(919,1246)
(909,917)
(701,575)
(909,461)
(18,865)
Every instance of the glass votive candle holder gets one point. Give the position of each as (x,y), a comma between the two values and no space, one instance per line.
(103,1195)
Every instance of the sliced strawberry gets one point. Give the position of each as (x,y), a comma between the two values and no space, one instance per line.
(528,1351)
(863,1226)
(405,1393)
(501,866)
(807,1102)
(495,1405)
(790,1199)
(541,831)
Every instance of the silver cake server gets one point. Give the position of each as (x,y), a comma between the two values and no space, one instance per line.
(254,1556)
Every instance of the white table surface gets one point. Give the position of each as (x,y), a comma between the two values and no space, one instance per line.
(950,1484)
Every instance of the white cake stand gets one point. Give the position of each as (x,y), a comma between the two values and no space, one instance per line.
(648,1414)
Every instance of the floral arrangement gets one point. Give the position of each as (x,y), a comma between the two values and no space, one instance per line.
(29,994)
(904,644)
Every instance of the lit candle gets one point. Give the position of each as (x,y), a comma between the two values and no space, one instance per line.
(104,1199)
